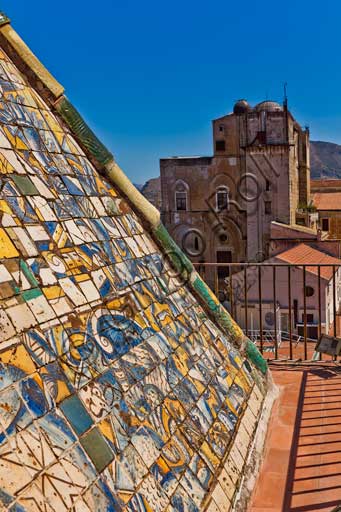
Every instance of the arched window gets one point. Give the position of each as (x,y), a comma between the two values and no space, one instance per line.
(222,199)
(181,196)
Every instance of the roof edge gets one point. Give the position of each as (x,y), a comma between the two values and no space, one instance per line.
(26,61)
(4,19)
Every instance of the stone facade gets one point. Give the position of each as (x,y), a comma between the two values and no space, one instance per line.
(326,197)
(261,163)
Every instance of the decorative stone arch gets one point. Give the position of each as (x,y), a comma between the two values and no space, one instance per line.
(220,181)
(222,198)
(181,191)
(191,239)
(235,240)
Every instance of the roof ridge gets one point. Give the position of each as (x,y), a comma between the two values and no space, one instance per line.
(309,248)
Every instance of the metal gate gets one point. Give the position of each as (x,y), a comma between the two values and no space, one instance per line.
(282,307)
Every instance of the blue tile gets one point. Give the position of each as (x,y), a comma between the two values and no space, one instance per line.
(74,410)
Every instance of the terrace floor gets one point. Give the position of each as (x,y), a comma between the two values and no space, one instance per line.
(301,471)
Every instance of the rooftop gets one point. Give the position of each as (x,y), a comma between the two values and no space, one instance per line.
(303,254)
(327,200)
(295,227)
(301,470)
(325,183)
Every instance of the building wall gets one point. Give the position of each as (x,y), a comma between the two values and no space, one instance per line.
(330,318)
(201,178)
(334,218)
(330,189)
(262,158)
(272,173)
(282,297)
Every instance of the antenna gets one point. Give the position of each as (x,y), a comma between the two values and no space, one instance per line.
(285,101)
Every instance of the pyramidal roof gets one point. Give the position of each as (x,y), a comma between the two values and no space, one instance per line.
(124,385)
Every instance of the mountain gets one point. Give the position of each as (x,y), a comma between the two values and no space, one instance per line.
(138,186)
(325,160)
(152,191)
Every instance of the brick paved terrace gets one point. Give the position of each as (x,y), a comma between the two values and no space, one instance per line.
(301,471)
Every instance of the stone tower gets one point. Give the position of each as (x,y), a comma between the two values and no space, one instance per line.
(220,208)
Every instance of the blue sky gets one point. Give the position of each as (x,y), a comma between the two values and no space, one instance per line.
(150,76)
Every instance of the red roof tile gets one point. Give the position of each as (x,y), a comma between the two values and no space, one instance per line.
(327,200)
(303,254)
(325,183)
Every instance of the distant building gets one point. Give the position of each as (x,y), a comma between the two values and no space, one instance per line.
(220,208)
(298,255)
(326,197)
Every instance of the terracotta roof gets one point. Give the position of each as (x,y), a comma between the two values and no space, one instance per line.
(327,200)
(314,184)
(295,227)
(302,254)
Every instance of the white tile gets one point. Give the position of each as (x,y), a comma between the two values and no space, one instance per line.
(37,233)
(89,290)
(6,328)
(221,499)
(42,188)
(23,242)
(21,317)
(41,309)
(72,291)
(47,276)
(226,484)
(4,274)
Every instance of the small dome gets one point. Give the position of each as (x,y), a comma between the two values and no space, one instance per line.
(269,106)
(240,107)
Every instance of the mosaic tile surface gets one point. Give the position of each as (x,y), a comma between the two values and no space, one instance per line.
(117,392)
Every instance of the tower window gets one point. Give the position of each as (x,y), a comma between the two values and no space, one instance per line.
(220,145)
(223,257)
(267,185)
(309,291)
(222,199)
(221,128)
(181,201)
(325,224)
(267,207)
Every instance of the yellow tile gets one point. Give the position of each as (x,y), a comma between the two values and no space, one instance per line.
(209,454)
(18,357)
(82,277)
(63,391)
(4,207)
(106,430)
(53,292)
(7,249)
(5,166)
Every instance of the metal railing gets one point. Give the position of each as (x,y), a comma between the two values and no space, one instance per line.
(275,293)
